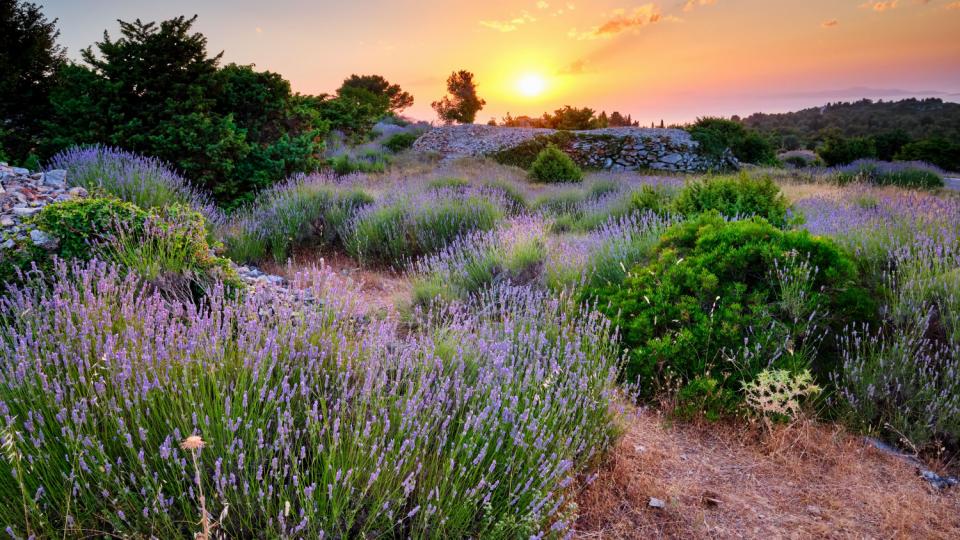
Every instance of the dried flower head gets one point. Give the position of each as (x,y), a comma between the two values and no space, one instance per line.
(193,442)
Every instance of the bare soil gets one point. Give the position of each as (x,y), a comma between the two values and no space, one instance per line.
(736,481)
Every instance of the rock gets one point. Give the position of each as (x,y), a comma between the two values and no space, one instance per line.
(42,239)
(19,171)
(814,510)
(7,221)
(77,192)
(24,211)
(8,244)
(56,178)
(659,504)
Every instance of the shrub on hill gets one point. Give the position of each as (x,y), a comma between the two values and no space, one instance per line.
(553,165)
(941,152)
(720,301)
(837,150)
(716,135)
(732,197)
(398,142)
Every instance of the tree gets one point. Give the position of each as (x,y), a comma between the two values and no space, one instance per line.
(354,112)
(29,61)
(838,150)
(463,104)
(377,85)
(717,134)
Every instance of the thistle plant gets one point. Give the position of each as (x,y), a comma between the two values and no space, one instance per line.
(778,394)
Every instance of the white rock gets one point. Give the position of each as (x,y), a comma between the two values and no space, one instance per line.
(659,504)
(42,239)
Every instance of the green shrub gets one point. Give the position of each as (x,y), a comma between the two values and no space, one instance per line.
(398,142)
(837,150)
(725,300)
(370,163)
(524,154)
(552,165)
(656,199)
(880,173)
(942,152)
(716,135)
(167,247)
(737,196)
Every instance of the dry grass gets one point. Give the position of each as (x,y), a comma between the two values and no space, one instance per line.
(730,481)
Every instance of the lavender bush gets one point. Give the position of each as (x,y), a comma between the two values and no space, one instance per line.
(304,210)
(513,252)
(401,227)
(146,182)
(293,418)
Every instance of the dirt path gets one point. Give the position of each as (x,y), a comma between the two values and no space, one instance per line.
(721,481)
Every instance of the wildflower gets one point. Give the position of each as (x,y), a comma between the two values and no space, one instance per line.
(193,442)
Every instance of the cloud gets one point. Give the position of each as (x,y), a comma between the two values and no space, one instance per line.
(574,68)
(542,5)
(259,30)
(620,22)
(880,6)
(509,25)
(692,4)
(830,23)
(953,5)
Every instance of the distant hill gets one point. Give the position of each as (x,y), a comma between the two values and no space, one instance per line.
(918,118)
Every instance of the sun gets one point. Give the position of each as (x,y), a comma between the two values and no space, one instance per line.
(531,85)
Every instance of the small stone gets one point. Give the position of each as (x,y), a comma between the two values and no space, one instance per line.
(8,244)
(659,504)
(78,192)
(56,177)
(814,510)
(20,171)
(42,239)
(24,211)
(7,221)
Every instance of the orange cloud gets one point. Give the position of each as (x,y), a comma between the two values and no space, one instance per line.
(953,5)
(881,6)
(830,23)
(621,22)
(509,25)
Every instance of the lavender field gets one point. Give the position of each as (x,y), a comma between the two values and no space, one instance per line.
(484,402)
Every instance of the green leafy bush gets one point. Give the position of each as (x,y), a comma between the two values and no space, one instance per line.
(942,152)
(837,150)
(398,142)
(552,165)
(725,300)
(716,135)
(167,246)
(524,154)
(737,196)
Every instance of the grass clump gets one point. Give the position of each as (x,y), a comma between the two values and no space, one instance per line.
(553,165)
(397,230)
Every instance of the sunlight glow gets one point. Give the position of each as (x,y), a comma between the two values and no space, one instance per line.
(531,85)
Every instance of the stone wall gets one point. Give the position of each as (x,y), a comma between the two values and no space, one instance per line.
(616,149)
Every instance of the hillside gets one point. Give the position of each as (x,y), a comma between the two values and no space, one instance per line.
(918,118)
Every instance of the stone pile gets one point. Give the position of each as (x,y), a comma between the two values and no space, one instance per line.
(613,149)
(23,194)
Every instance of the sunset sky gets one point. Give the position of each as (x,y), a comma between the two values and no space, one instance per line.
(673,59)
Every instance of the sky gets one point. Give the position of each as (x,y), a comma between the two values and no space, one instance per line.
(671,60)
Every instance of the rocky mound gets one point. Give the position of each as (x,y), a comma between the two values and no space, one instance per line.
(623,148)
(23,194)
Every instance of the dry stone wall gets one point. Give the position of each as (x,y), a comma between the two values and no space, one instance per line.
(615,149)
